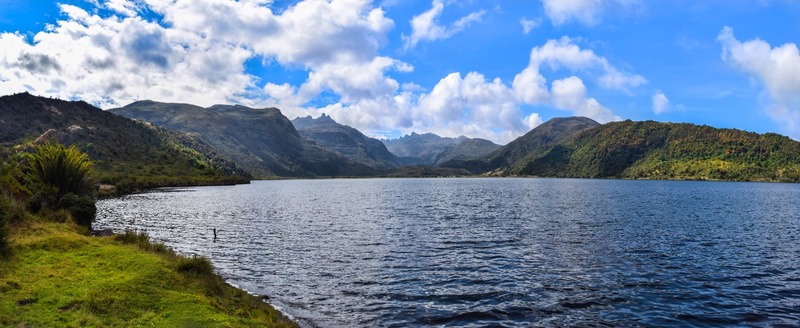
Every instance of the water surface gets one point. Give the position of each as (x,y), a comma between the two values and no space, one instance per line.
(501,252)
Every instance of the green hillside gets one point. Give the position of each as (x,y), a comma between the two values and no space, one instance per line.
(126,153)
(653,150)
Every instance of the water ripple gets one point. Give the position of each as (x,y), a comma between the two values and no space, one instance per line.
(493,252)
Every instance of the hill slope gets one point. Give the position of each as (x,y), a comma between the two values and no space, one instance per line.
(431,150)
(347,141)
(261,141)
(126,153)
(653,150)
(548,133)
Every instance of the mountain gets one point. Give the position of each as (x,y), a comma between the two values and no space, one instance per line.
(261,141)
(653,150)
(126,153)
(545,134)
(346,141)
(431,150)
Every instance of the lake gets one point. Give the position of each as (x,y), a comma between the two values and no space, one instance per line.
(492,252)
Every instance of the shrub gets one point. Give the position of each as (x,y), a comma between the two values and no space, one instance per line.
(65,169)
(198,265)
(140,239)
(82,208)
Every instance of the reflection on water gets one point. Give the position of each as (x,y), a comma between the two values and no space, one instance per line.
(476,252)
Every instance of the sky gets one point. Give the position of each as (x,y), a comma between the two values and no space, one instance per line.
(490,69)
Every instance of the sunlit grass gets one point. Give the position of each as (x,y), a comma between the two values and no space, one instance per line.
(57,276)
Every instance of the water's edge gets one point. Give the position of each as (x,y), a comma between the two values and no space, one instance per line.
(394,252)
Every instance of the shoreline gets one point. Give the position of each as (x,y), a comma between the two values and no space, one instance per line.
(61,274)
(262,298)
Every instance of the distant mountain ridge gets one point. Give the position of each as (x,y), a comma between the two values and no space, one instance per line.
(432,150)
(346,141)
(261,141)
(176,144)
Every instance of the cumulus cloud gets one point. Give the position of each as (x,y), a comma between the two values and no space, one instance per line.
(565,53)
(660,102)
(197,56)
(191,55)
(425,26)
(307,34)
(777,68)
(477,106)
(465,106)
(570,94)
(112,61)
(123,7)
(587,12)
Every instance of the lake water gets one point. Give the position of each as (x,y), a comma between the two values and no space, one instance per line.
(497,252)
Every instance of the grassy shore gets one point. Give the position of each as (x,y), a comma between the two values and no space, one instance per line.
(57,275)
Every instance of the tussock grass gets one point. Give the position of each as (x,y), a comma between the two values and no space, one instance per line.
(196,265)
(66,169)
(57,276)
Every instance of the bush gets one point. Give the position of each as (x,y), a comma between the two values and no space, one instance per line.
(197,265)
(65,169)
(82,208)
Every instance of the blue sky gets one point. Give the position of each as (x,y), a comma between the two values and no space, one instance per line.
(492,68)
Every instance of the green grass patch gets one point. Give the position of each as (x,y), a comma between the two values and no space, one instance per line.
(59,277)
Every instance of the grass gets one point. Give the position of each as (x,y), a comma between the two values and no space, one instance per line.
(57,276)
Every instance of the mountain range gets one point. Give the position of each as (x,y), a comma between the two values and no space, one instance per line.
(431,150)
(146,141)
(261,141)
(346,141)
(126,153)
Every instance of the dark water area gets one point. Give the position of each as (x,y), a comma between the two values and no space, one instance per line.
(493,252)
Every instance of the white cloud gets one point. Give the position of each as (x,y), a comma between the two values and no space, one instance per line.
(308,34)
(570,94)
(530,86)
(614,79)
(584,11)
(112,61)
(587,12)
(777,68)
(425,26)
(124,7)
(198,58)
(472,105)
(529,24)
(660,102)
(564,53)
(479,107)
